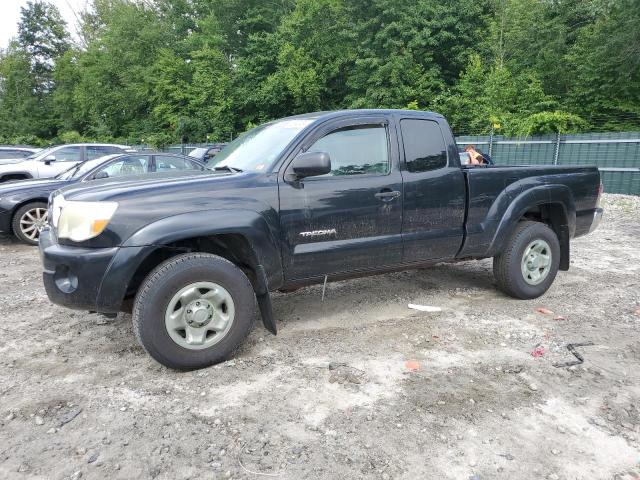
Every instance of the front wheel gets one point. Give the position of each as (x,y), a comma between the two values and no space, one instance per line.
(529,262)
(193,311)
(29,220)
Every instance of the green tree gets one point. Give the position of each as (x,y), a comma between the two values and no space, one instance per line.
(605,66)
(493,97)
(114,92)
(43,36)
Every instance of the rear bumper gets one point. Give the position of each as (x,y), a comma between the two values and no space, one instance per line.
(88,278)
(588,221)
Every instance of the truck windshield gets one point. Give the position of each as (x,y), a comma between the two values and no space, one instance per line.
(256,149)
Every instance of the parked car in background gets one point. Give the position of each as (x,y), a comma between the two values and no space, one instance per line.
(15,153)
(207,154)
(23,205)
(51,161)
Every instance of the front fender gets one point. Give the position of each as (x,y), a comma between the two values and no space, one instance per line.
(251,225)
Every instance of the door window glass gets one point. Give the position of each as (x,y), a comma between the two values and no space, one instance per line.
(357,150)
(67,154)
(131,165)
(168,163)
(424,147)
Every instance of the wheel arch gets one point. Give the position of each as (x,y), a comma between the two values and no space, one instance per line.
(549,204)
(15,176)
(241,236)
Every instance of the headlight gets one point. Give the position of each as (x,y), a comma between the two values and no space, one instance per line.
(79,221)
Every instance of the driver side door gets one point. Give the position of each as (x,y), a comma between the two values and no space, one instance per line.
(351,218)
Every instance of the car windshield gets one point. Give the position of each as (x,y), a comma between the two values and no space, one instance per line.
(257,149)
(80,169)
(40,154)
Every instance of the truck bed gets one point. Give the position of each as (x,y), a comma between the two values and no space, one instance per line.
(493,190)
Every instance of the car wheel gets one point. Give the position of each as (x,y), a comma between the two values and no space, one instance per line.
(193,311)
(29,220)
(529,262)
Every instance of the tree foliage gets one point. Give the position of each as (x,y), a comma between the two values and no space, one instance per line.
(161,71)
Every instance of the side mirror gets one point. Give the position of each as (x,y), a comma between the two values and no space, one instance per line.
(48,159)
(101,174)
(311,164)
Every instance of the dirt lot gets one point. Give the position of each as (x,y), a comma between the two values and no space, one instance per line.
(331,396)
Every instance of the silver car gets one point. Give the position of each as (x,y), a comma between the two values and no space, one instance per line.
(15,153)
(51,161)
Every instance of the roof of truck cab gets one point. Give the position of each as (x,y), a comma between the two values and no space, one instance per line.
(374,111)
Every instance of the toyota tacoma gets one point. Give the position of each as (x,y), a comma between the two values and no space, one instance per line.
(297,201)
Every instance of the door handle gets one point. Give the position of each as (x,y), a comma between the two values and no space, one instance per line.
(387,195)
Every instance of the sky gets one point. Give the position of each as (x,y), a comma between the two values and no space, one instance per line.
(10,16)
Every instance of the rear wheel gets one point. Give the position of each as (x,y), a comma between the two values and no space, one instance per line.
(193,311)
(29,220)
(529,262)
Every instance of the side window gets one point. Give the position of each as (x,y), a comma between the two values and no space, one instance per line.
(424,147)
(14,153)
(167,163)
(98,151)
(131,165)
(67,154)
(358,150)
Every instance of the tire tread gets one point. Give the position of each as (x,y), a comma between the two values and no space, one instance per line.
(503,262)
(163,269)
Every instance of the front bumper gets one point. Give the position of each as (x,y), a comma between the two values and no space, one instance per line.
(72,276)
(93,279)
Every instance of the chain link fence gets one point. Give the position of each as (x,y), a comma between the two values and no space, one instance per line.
(617,155)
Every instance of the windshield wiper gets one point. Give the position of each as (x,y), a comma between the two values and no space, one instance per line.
(227,168)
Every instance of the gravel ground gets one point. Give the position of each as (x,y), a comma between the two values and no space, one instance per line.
(332,396)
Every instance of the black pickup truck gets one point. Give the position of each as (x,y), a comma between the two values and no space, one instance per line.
(298,201)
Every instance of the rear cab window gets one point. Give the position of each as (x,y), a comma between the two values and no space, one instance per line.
(424,145)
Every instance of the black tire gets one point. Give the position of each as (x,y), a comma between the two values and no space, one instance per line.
(16,225)
(161,284)
(507,267)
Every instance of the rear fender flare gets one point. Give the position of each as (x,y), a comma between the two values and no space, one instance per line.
(541,195)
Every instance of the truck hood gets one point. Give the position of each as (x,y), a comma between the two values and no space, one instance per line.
(145,200)
(137,186)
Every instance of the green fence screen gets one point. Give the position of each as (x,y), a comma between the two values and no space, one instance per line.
(617,155)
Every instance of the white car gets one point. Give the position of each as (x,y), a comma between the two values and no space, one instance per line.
(51,161)
(15,153)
